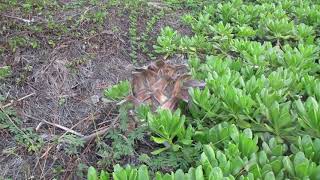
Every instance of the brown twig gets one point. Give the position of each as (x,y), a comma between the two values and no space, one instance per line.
(20,19)
(102,131)
(56,125)
(20,99)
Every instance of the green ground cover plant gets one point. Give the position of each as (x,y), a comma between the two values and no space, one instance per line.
(259,115)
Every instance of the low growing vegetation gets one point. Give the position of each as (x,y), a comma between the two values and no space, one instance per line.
(258,116)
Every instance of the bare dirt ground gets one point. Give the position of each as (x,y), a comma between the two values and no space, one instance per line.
(66,85)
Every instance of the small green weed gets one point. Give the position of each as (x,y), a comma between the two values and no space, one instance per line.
(145,37)
(118,91)
(24,136)
(133,35)
(72,143)
(122,142)
(5,71)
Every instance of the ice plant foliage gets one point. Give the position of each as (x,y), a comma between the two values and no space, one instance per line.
(257,113)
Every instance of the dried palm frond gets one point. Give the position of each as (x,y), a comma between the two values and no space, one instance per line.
(161,85)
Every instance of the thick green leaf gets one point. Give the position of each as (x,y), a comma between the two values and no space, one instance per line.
(209,152)
(269,176)
(119,173)
(158,176)
(179,175)
(276,166)
(262,157)
(288,166)
(104,175)
(199,173)
(143,173)
(216,173)
(158,140)
(92,174)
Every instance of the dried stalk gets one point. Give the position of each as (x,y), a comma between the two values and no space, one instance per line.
(56,125)
(20,99)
